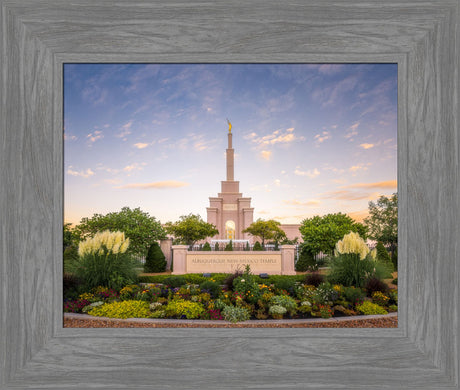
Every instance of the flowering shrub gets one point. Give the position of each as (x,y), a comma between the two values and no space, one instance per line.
(285,301)
(247,286)
(103,261)
(179,308)
(124,309)
(325,294)
(235,314)
(277,311)
(325,311)
(369,308)
(380,298)
(75,306)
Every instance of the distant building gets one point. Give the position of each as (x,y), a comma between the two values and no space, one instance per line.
(230,212)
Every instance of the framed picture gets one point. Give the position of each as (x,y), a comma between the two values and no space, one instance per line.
(38,37)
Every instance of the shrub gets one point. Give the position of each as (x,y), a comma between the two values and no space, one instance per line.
(374,284)
(257,246)
(206,247)
(325,294)
(228,282)
(354,295)
(71,285)
(350,270)
(70,255)
(155,260)
(75,306)
(393,308)
(212,287)
(179,308)
(285,284)
(247,286)
(306,260)
(235,314)
(124,309)
(395,281)
(103,261)
(382,253)
(285,301)
(394,258)
(314,279)
(247,247)
(229,246)
(369,308)
(216,246)
(380,298)
(277,311)
(174,281)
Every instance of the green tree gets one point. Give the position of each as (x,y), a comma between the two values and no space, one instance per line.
(320,234)
(306,260)
(382,221)
(266,230)
(155,260)
(206,247)
(190,229)
(138,226)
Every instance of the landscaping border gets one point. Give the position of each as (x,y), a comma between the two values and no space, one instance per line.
(73,320)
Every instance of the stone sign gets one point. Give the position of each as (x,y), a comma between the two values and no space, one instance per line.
(277,262)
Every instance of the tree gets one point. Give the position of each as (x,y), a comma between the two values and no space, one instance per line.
(320,234)
(382,221)
(141,229)
(155,260)
(266,230)
(190,229)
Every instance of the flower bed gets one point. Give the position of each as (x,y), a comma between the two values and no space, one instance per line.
(241,297)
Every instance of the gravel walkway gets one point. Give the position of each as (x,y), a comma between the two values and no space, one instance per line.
(87,321)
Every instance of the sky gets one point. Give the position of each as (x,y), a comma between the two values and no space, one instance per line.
(309,139)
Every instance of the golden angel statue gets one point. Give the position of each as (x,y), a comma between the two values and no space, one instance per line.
(229,126)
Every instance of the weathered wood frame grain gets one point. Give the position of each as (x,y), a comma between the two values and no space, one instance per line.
(38,36)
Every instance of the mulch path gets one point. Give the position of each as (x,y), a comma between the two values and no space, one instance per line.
(86,321)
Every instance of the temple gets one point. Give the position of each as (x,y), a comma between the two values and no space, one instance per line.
(230,212)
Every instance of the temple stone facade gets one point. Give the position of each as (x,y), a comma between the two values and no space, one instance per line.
(230,212)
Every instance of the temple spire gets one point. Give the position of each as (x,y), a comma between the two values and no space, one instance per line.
(230,155)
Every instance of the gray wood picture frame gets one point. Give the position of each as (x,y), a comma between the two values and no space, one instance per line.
(38,36)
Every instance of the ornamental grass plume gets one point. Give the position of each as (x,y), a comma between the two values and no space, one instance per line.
(105,242)
(104,261)
(352,243)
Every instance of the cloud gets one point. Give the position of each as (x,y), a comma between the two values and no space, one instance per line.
(134,166)
(359,167)
(125,130)
(320,138)
(277,183)
(310,173)
(84,174)
(330,69)
(276,137)
(352,131)
(381,184)
(298,203)
(250,136)
(266,154)
(93,137)
(141,145)
(349,195)
(359,216)
(70,137)
(367,146)
(156,185)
